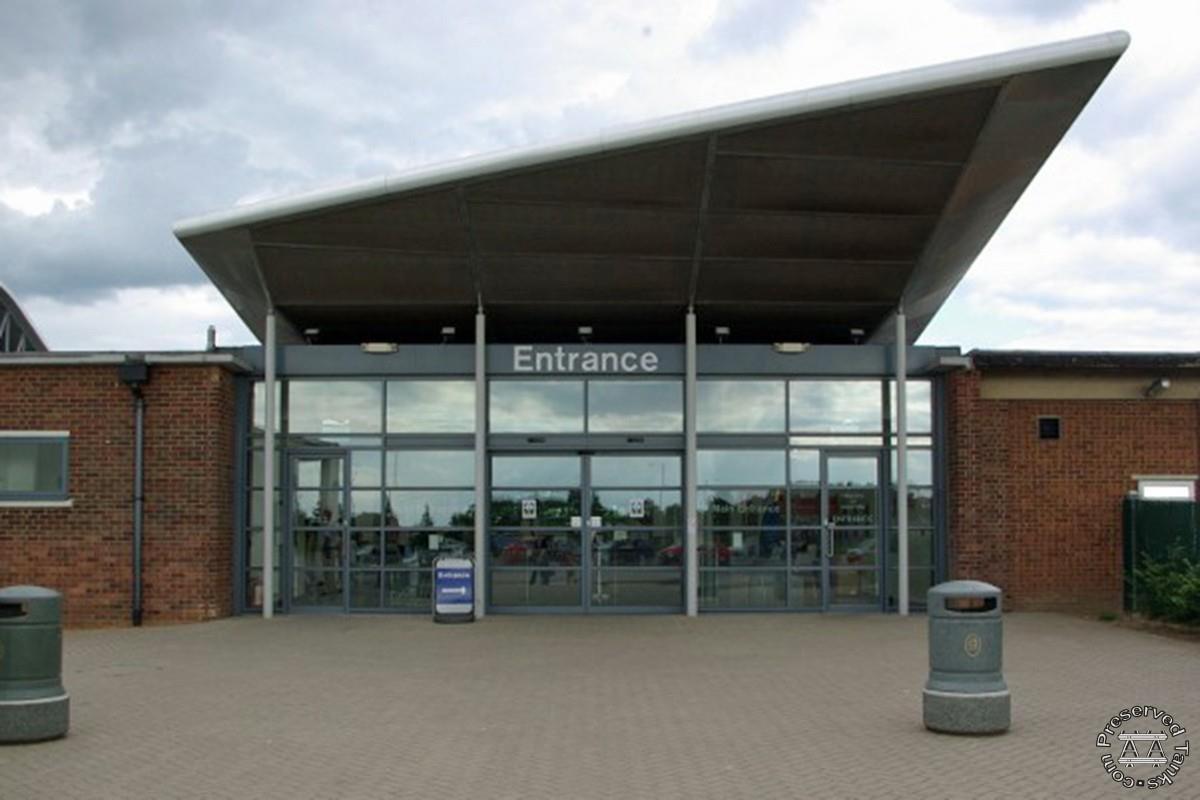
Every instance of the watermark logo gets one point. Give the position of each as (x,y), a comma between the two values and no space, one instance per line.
(1144,759)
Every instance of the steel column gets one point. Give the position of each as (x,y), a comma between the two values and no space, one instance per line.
(692,574)
(480,462)
(268,513)
(902,461)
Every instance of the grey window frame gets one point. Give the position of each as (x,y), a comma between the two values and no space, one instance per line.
(63,492)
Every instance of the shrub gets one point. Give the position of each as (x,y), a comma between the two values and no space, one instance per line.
(1170,589)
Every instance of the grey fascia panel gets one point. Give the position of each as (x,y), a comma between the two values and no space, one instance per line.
(81,359)
(809,101)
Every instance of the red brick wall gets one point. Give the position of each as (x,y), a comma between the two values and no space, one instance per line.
(85,551)
(1042,519)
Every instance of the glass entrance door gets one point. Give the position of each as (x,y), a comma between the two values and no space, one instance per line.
(584,532)
(850,529)
(318,521)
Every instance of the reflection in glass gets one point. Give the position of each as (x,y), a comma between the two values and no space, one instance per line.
(637,508)
(431,468)
(740,467)
(836,406)
(335,407)
(734,507)
(766,547)
(254,588)
(852,471)
(551,588)
(636,548)
(920,468)
(317,549)
(806,548)
(853,548)
(729,589)
(364,549)
(920,547)
(727,406)
(535,471)
(635,406)
(317,588)
(534,508)
(412,589)
(536,406)
(805,467)
(638,471)
(852,506)
(316,508)
(366,508)
(259,407)
(317,472)
(431,406)
(920,405)
(433,508)
(920,507)
(806,506)
(853,587)
(366,469)
(364,589)
(418,549)
(920,579)
(615,587)
(534,549)
(804,589)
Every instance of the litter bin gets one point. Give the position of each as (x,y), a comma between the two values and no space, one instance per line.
(966,692)
(33,703)
(453,590)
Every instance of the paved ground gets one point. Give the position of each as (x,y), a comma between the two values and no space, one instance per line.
(763,706)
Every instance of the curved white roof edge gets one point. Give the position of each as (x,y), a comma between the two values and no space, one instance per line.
(9,299)
(834,96)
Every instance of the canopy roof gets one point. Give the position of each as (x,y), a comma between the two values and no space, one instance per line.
(799,217)
(17,334)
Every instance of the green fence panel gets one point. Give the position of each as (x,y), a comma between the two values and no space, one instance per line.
(1157,529)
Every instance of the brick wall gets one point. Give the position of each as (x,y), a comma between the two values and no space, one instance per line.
(1042,519)
(85,551)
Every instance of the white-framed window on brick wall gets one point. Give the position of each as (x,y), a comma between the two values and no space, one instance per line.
(1166,487)
(34,468)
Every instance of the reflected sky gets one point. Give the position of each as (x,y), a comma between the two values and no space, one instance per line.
(431,468)
(431,406)
(740,467)
(635,406)
(636,471)
(919,405)
(535,471)
(739,406)
(836,406)
(920,468)
(536,406)
(335,406)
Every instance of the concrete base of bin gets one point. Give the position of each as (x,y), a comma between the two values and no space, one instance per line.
(34,720)
(955,712)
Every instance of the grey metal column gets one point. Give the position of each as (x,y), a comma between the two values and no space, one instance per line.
(902,461)
(268,513)
(692,574)
(480,461)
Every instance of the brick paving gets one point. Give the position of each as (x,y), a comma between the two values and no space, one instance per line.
(728,706)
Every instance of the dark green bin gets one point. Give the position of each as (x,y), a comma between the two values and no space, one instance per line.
(33,703)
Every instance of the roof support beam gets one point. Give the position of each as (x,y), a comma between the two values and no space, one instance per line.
(710,158)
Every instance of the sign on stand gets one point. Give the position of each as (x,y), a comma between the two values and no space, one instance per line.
(454,590)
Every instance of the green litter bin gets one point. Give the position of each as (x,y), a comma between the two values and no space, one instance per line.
(33,703)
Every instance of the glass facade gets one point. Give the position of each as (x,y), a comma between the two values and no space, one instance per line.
(796,500)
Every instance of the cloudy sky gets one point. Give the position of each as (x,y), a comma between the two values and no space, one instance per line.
(119,118)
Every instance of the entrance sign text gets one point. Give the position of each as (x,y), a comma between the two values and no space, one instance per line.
(527,358)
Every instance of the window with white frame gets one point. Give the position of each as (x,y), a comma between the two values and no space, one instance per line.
(1166,487)
(33,465)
